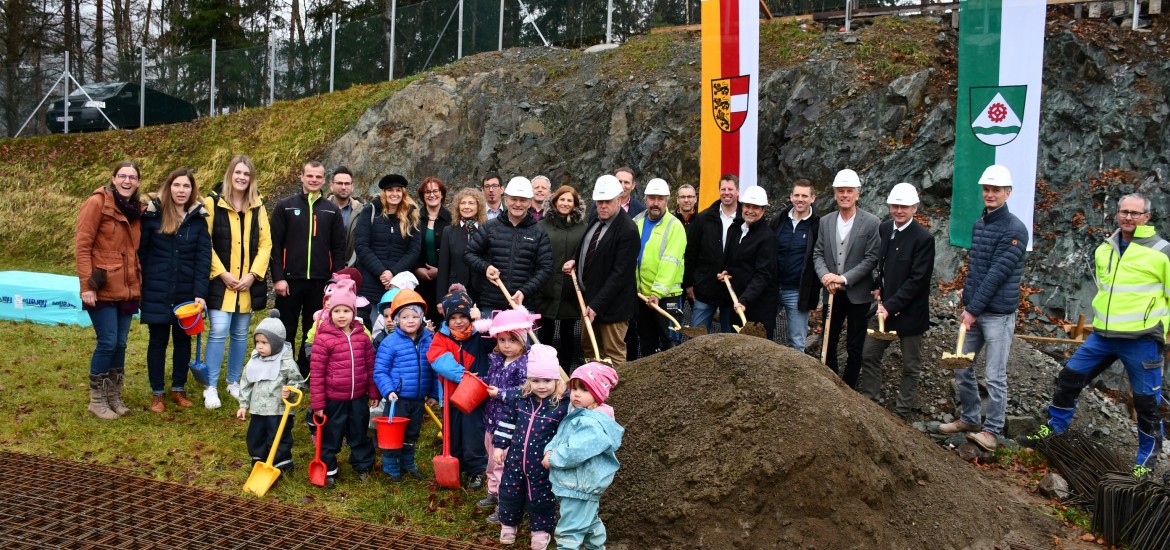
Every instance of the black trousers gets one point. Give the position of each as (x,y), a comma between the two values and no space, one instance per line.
(349,420)
(568,345)
(156,357)
(653,335)
(763,311)
(466,434)
(261,434)
(303,300)
(855,314)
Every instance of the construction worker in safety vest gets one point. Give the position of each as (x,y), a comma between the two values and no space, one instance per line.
(660,266)
(1131,316)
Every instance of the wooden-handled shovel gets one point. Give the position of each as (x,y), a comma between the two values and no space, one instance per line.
(880,333)
(673,322)
(584,315)
(531,333)
(825,334)
(735,300)
(958,360)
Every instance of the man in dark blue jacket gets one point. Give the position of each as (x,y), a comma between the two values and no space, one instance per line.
(796,236)
(308,245)
(991,296)
(512,248)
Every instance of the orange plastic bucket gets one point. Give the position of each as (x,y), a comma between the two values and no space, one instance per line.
(190,316)
(469,394)
(391,431)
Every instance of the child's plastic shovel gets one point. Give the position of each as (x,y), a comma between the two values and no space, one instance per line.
(447,466)
(317,470)
(264,474)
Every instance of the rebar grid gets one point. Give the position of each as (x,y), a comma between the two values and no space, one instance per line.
(50,502)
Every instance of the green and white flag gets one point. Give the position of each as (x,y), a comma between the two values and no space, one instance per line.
(1001,64)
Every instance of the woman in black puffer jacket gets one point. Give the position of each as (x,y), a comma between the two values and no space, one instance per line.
(386,239)
(175,252)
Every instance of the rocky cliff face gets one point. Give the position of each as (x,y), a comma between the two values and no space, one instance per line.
(880,101)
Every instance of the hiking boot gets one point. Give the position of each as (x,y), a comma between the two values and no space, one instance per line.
(211,398)
(156,403)
(540,540)
(489,501)
(951,428)
(985,440)
(475,482)
(97,398)
(494,517)
(415,473)
(507,534)
(1034,440)
(330,482)
(363,476)
(114,392)
(234,390)
(180,398)
(1141,472)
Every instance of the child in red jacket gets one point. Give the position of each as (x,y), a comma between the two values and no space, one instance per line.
(342,384)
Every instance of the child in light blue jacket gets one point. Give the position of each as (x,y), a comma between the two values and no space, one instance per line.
(581,457)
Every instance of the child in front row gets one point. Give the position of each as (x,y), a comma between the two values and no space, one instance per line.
(342,384)
(581,457)
(507,370)
(262,383)
(520,439)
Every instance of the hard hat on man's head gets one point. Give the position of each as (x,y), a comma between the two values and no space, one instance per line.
(903,194)
(754,195)
(996,175)
(606,188)
(519,187)
(847,178)
(657,187)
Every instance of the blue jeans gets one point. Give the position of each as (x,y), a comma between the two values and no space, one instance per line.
(112,327)
(702,313)
(995,332)
(223,322)
(797,320)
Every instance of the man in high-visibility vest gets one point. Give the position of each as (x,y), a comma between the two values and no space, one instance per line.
(1131,316)
(659,267)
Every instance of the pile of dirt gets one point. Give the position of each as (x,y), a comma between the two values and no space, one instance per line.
(736,442)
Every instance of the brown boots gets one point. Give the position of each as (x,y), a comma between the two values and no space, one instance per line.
(97,397)
(156,403)
(180,398)
(114,392)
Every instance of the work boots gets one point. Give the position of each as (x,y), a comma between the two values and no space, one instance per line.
(114,392)
(97,398)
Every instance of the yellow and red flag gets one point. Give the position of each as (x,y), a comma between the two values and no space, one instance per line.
(730,108)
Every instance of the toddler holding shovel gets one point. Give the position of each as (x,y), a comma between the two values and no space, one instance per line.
(270,369)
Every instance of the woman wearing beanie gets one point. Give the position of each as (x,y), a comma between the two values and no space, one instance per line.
(386,240)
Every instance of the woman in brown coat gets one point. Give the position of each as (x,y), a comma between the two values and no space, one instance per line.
(111,282)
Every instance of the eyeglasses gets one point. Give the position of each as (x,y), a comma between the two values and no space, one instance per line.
(1131,214)
(432,192)
(682,197)
(342,183)
(126,177)
(492,186)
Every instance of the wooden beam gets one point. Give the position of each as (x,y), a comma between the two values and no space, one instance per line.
(1048,339)
(767,12)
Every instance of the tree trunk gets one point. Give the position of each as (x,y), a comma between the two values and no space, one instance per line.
(146,24)
(68,20)
(99,41)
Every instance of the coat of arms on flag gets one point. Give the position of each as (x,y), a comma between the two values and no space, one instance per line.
(729,102)
(997,111)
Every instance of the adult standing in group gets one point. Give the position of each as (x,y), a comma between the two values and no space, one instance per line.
(175,252)
(511,248)
(342,193)
(241,247)
(607,257)
(625,176)
(308,245)
(564,222)
(750,262)
(387,241)
(469,208)
(845,255)
(796,231)
(492,188)
(106,248)
(991,296)
(435,219)
(663,243)
(541,187)
(685,199)
(1132,315)
(905,265)
(706,241)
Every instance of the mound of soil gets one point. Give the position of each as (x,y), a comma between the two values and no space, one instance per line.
(737,442)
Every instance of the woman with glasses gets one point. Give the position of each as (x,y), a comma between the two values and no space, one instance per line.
(106,244)
(433,194)
(386,240)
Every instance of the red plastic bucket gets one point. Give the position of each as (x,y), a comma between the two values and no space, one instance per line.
(469,394)
(391,431)
(190,316)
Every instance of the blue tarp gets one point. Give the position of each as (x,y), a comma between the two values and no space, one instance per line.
(43,298)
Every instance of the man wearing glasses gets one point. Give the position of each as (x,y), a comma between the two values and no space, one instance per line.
(1131,315)
(492,192)
(341,193)
(686,199)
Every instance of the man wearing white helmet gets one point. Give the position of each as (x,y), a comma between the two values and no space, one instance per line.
(904,267)
(605,262)
(990,296)
(750,262)
(511,248)
(844,257)
(659,267)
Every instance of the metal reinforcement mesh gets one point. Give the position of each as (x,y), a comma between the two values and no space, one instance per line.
(54,503)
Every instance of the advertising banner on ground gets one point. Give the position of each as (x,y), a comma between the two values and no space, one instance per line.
(729,91)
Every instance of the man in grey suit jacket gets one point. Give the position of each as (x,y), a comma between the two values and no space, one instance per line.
(844,257)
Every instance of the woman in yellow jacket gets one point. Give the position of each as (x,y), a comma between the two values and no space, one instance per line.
(240,249)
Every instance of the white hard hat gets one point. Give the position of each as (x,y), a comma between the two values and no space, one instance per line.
(519,187)
(754,195)
(657,186)
(847,178)
(903,194)
(607,187)
(997,175)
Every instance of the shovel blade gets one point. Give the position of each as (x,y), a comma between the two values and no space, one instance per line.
(447,471)
(317,473)
(262,478)
(694,332)
(199,372)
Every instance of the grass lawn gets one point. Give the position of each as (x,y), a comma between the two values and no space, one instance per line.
(43,385)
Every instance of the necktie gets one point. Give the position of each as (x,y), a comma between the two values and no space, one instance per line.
(593,244)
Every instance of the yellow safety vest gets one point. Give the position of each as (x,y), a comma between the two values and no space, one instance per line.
(1133,291)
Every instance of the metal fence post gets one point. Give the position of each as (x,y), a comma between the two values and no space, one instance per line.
(271,71)
(459,42)
(332,50)
(848,15)
(211,111)
(1137,10)
(67,77)
(393,20)
(142,89)
(501,47)
(609,22)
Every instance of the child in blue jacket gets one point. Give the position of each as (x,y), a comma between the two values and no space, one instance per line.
(581,457)
(402,373)
(520,439)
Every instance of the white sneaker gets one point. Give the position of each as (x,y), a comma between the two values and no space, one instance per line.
(234,389)
(211,398)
